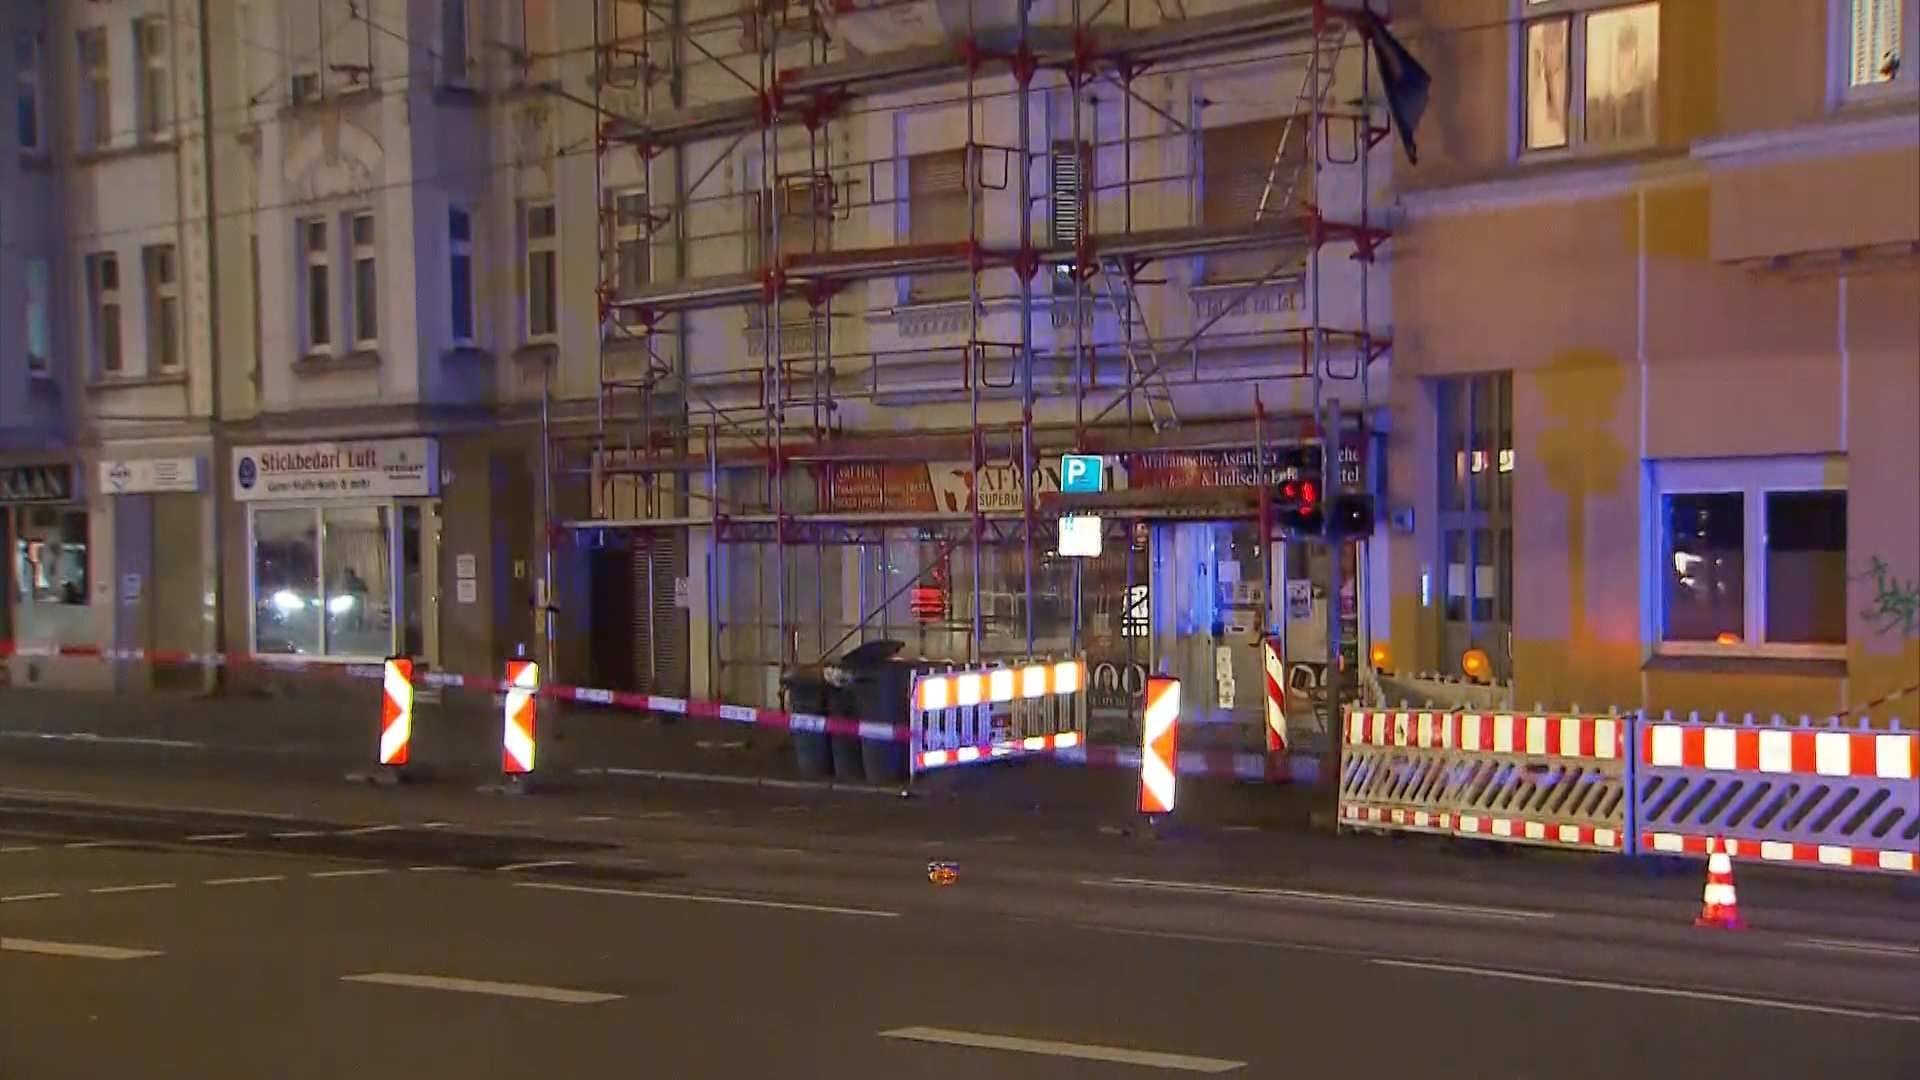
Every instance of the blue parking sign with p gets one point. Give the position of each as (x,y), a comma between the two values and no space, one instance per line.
(1082,473)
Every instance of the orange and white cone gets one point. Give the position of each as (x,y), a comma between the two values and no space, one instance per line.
(1721,908)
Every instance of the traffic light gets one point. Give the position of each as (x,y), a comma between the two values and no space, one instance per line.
(1299,508)
(1351,515)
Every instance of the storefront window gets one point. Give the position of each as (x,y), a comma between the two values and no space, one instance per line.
(323,581)
(286,574)
(50,557)
(358,581)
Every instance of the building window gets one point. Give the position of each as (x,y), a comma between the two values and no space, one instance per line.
(937,213)
(1590,73)
(632,229)
(95,113)
(1257,173)
(456,44)
(1475,427)
(323,581)
(623,52)
(103,304)
(1752,557)
(540,238)
(329,49)
(39,314)
(365,316)
(1874,39)
(156,85)
(529,41)
(316,284)
(163,306)
(460,273)
(26,101)
(50,556)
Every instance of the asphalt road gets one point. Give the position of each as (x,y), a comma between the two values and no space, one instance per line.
(172,943)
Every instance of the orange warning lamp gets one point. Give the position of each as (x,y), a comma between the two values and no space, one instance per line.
(1380,656)
(1727,637)
(1475,664)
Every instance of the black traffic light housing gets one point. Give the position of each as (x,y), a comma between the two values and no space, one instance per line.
(1350,514)
(1298,508)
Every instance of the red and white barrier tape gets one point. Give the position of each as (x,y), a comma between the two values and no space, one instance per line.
(807,723)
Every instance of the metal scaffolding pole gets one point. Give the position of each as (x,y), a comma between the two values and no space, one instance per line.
(1023,76)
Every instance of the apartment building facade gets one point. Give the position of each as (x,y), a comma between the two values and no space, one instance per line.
(1657,304)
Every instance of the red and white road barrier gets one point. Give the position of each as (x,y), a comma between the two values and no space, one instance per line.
(1159,745)
(517,742)
(1886,756)
(396,711)
(966,716)
(1836,856)
(1276,682)
(1599,737)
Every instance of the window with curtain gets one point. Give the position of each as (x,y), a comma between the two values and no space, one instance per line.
(1253,174)
(1589,75)
(937,214)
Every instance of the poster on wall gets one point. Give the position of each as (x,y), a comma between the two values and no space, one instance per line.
(378,468)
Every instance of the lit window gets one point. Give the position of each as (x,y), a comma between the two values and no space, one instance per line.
(1752,557)
(323,581)
(540,238)
(163,306)
(1589,74)
(50,558)
(103,301)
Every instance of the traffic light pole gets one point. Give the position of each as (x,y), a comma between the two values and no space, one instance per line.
(1335,540)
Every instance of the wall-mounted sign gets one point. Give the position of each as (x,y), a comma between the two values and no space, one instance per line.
(931,487)
(1081,536)
(1082,473)
(141,476)
(37,484)
(379,468)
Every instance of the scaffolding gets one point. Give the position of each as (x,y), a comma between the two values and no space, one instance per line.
(673,444)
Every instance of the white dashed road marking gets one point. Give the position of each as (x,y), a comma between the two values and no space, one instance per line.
(1151,1059)
(14,848)
(1333,899)
(365,829)
(546,864)
(369,872)
(207,837)
(556,994)
(298,834)
(696,898)
(79,845)
(151,886)
(24,897)
(67,948)
(256,879)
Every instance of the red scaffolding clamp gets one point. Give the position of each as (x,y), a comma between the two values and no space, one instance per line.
(1366,238)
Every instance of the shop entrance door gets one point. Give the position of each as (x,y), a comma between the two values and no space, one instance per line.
(418,571)
(1209,616)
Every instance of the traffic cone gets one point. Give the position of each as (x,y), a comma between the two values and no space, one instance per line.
(1720,908)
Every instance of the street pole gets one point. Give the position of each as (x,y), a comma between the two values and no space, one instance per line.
(1329,488)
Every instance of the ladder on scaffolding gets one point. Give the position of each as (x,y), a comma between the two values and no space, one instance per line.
(1315,88)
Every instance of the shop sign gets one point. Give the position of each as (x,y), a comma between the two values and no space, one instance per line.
(37,484)
(916,487)
(378,468)
(1235,468)
(143,476)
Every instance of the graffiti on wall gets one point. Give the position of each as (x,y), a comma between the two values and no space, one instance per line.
(1895,606)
